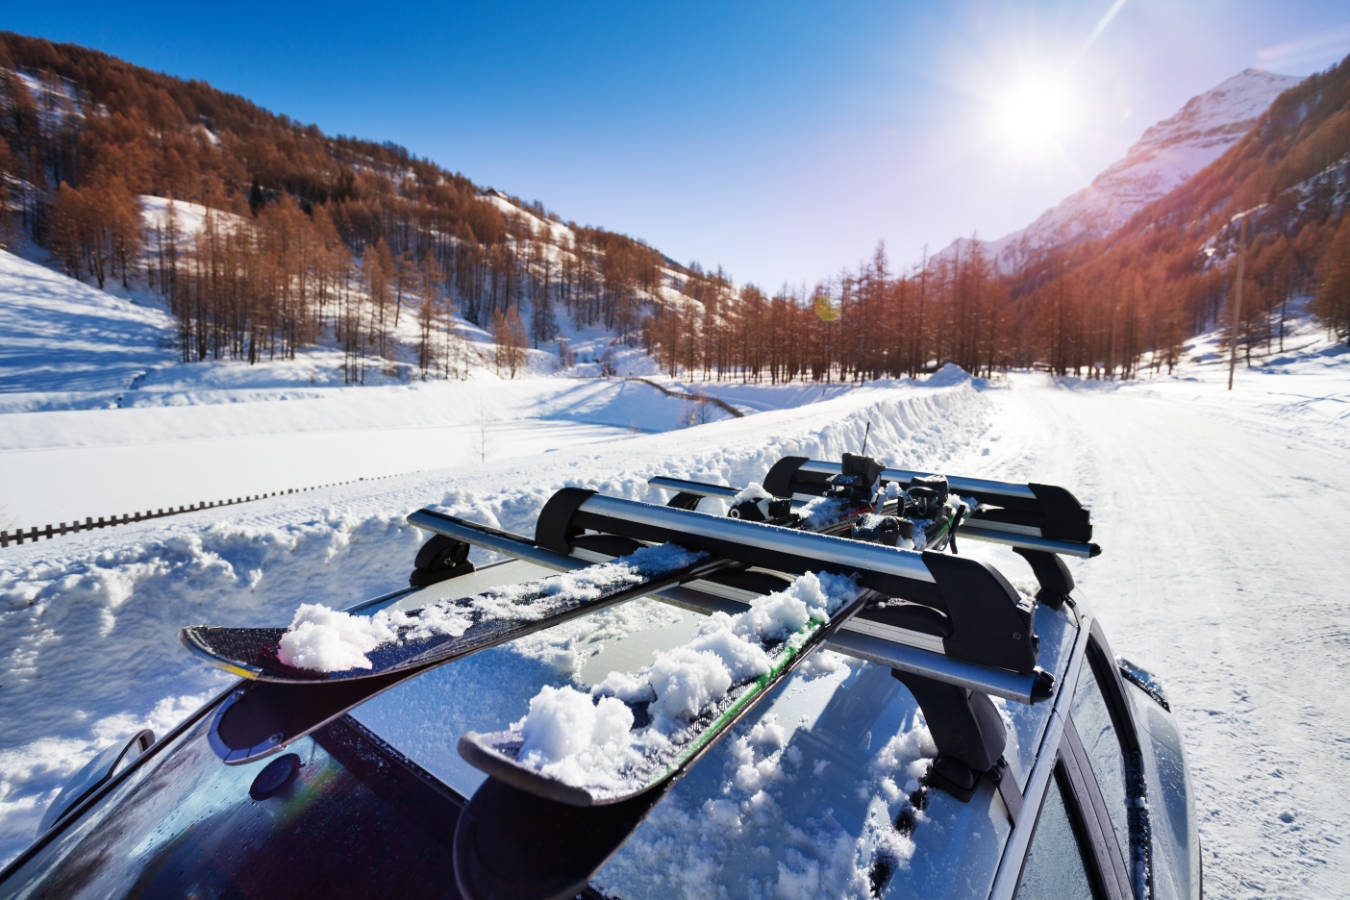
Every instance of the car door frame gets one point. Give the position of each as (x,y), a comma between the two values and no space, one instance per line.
(1063,757)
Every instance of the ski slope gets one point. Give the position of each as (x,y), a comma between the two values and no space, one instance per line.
(1221,514)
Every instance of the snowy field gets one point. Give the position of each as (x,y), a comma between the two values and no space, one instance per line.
(1222,516)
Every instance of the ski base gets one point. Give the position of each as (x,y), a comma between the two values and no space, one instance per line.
(514,845)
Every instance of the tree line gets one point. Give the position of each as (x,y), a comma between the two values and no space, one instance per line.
(1113,307)
(85,135)
(309,234)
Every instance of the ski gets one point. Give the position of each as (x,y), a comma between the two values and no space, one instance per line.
(323,645)
(679,728)
(546,820)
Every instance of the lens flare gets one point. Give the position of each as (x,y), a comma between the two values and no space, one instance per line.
(1033,113)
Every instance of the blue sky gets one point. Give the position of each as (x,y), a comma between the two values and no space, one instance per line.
(779,140)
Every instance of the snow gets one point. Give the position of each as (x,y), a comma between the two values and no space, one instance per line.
(569,736)
(88,622)
(189,218)
(752,491)
(1220,515)
(327,640)
(65,338)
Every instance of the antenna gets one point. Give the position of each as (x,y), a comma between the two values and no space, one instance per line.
(867,431)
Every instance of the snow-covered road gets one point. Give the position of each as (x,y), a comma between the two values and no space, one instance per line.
(1222,518)
(1224,571)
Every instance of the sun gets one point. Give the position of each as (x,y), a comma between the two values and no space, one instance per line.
(1032,113)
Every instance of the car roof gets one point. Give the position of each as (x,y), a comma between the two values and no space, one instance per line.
(808,790)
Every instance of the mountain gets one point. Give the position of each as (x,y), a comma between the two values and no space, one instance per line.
(1167,155)
(1271,207)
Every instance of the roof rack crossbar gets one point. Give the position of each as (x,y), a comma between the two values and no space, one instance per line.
(986,620)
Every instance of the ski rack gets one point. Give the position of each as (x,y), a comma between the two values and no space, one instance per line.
(962,623)
(1040,522)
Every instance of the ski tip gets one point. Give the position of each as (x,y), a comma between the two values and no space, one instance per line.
(194,639)
(482,752)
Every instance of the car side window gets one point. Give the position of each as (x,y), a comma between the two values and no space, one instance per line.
(1097,730)
(1055,866)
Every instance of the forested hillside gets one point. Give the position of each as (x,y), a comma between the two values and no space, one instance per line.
(302,226)
(306,237)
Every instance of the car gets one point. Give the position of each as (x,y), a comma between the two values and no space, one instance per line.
(920,756)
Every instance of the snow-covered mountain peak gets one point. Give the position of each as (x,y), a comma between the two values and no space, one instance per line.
(1220,115)
(1167,154)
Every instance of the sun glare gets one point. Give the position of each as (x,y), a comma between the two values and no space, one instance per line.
(1032,113)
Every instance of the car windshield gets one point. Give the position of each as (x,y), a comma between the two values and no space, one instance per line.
(354,819)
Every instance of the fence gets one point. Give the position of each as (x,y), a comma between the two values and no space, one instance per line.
(50,531)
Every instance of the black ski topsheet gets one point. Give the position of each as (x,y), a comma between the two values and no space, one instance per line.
(253,653)
(497,753)
(524,835)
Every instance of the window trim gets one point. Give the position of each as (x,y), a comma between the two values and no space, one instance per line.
(1101,667)
(1093,812)
(1108,679)
(1042,768)
(1087,840)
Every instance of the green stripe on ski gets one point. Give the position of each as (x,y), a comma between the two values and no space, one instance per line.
(943,530)
(954,519)
(790,653)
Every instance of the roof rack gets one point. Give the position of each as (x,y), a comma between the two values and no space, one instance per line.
(579,527)
(982,638)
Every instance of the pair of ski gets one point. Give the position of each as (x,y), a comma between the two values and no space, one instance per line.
(282,703)
(523,833)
